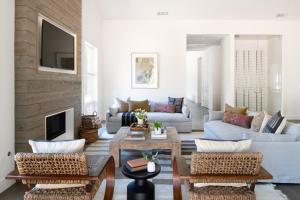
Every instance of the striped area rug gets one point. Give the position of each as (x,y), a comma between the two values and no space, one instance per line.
(163,182)
(101,147)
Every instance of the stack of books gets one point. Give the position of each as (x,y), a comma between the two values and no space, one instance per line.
(162,136)
(135,135)
(136,165)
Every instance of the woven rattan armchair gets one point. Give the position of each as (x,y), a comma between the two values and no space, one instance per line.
(218,168)
(73,168)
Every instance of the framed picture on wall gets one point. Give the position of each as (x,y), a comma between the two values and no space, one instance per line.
(144,70)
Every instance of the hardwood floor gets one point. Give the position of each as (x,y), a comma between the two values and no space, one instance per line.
(16,191)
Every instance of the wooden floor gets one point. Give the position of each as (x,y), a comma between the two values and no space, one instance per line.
(16,192)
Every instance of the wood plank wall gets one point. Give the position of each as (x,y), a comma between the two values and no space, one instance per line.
(41,93)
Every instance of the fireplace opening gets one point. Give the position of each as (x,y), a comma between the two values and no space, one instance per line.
(56,125)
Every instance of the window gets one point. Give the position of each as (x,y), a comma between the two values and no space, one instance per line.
(89,79)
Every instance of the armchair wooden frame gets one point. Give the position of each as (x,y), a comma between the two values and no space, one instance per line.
(96,174)
(182,172)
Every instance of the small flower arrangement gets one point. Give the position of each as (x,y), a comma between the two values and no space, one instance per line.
(157,125)
(141,115)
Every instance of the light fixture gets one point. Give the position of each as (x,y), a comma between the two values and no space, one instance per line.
(162,13)
(281,15)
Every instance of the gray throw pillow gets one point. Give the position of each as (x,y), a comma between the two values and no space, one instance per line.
(273,123)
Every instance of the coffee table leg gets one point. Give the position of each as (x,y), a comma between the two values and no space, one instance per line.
(140,189)
(176,150)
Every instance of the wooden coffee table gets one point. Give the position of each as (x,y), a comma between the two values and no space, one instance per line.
(118,143)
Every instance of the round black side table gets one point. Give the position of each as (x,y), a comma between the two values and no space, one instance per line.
(140,188)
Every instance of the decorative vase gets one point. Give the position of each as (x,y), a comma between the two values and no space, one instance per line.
(140,121)
(157,131)
(150,166)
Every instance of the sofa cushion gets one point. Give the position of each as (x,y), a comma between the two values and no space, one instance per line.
(178,102)
(267,137)
(292,129)
(257,121)
(133,105)
(123,105)
(159,107)
(224,131)
(238,119)
(276,122)
(236,110)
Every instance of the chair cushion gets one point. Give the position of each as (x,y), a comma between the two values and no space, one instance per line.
(221,192)
(72,146)
(77,193)
(222,146)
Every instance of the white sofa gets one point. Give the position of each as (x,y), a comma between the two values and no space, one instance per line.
(181,121)
(280,151)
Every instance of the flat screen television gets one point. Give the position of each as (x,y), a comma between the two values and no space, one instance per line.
(57,47)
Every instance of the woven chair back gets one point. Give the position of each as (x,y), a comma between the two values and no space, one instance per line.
(35,164)
(245,163)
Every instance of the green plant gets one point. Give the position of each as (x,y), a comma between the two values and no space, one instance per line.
(140,114)
(150,157)
(157,124)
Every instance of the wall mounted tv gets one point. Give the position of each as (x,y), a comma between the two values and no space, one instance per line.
(57,47)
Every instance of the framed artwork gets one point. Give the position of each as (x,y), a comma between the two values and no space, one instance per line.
(144,70)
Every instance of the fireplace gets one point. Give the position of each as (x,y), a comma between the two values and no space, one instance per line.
(60,125)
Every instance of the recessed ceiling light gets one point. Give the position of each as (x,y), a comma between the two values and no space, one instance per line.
(281,15)
(160,13)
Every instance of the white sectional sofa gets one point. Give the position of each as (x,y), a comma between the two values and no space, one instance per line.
(280,151)
(181,121)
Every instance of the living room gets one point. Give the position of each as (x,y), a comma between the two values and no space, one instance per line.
(193,67)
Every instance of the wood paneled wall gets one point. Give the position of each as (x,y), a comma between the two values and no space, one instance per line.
(41,93)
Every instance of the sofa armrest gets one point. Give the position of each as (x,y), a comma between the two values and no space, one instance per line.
(108,115)
(215,115)
(205,118)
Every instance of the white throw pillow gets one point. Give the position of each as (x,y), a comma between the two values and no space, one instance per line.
(265,121)
(281,126)
(72,146)
(113,110)
(222,146)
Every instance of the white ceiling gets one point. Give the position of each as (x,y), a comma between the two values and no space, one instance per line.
(195,42)
(200,9)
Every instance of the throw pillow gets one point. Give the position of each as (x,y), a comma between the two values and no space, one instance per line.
(237,119)
(257,121)
(113,110)
(236,110)
(223,146)
(276,121)
(186,111)
(72,146)
(133,105)
(265,121)
(123,105)
(164,108)
(178,102)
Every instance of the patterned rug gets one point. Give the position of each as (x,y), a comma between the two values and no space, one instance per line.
(163,182)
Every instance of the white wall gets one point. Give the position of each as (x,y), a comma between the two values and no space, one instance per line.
(7,90)
(168,38)
(192,75)
(92,33)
